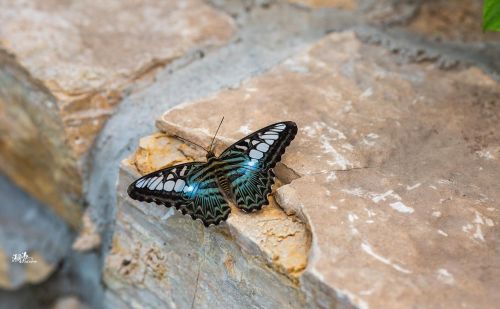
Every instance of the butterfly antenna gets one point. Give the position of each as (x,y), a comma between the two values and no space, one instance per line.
(213,139)
(186,140)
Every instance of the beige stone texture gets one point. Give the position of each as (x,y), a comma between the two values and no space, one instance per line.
(64,66)
(459,21)
(161,258)
(5,281)
(339,4)
(394,171)
(88,237)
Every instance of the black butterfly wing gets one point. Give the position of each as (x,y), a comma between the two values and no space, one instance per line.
(188,187)
(249,162)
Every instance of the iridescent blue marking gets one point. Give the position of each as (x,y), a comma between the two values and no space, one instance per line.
(190,191)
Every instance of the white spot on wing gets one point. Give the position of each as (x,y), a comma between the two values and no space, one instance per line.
(269,136)
(255,154)
(183,170)
(269,141)
(280,126)
(140,183)
(169,185)
(263,147)
(179,185)
(170,176)
(241,147)
(159,186)
(153,184)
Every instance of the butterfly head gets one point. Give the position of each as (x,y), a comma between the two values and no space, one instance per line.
(210,154)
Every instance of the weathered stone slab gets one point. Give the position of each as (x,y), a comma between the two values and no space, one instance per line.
(458,21)
(65,66)
(160,258)
(394,170)
(23,228)
(340,4)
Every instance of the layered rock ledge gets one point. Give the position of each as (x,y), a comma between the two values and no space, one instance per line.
(388,198)
(63,69)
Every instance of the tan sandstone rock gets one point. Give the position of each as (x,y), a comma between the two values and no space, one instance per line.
(459,21)
(340,4)
(63,69)
(394,171)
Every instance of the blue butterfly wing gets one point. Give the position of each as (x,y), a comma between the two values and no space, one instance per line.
(188,187)
(249,162)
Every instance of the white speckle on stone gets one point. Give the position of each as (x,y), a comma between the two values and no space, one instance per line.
(478,218)
(485,154)
(376,197)
(436,214)
(295,65)
(433,187)
(442,200)
(343,294)
(356,191)
(409,188)
(370,213)
(466,228)
(339,160)
(170,212)
(347,146)
(368,249)
(333,207)
(331,177)
(369,139)
(352,217)
(478,234)
(443,233)
(444,181)
(401,207)
(369,221)
(444,276)
(367,93)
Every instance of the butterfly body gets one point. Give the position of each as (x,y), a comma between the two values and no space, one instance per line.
(241,175)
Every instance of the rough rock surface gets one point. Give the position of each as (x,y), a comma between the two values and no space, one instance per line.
(455,21)
(393,172)
(64,67)
(37,221)
(160,257)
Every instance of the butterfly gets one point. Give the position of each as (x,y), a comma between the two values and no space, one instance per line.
(242,174)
